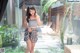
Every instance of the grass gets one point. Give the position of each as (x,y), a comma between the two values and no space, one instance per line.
(0,41)
(16,50)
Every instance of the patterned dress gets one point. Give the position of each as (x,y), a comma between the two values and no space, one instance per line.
(31,35)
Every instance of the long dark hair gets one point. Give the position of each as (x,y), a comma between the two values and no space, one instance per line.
(28,12)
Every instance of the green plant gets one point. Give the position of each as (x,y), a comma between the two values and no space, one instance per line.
(62,28)
(0,41)
(47,5)
(9,34)
(2,28)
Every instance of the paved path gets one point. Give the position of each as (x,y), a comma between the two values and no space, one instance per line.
(47,42)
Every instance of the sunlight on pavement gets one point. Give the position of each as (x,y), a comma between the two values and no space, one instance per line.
(46,43)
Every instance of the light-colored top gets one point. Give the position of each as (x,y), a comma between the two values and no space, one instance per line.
(32,23)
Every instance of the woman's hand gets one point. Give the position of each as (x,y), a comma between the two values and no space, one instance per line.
(29,29)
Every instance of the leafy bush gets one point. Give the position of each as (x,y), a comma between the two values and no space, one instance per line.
(9,35)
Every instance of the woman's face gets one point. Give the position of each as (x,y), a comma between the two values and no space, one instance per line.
(32,12)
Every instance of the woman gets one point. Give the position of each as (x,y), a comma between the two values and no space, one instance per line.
(33,20)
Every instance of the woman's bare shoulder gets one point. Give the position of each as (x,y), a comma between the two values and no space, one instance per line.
(37,16)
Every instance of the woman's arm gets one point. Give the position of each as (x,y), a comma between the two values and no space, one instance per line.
(39,20)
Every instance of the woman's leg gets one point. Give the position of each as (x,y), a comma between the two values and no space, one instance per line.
(32,47)
(33,40)
(28,49)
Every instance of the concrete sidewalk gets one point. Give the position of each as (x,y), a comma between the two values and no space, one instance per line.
(47,42)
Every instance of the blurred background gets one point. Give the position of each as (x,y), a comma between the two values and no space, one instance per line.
(61,25)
